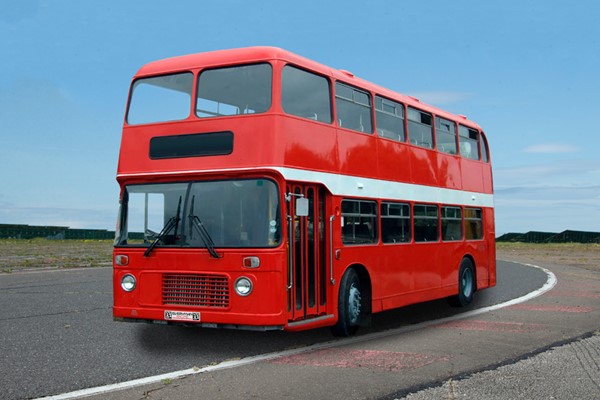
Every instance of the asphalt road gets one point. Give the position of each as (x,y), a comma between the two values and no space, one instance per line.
(58,336)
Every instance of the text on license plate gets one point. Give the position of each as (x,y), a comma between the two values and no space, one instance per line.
(190,316)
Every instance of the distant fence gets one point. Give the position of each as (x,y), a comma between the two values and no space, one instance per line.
(550,237)
(8,231)
(52,232)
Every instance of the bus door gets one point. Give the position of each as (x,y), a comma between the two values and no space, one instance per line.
(307,253)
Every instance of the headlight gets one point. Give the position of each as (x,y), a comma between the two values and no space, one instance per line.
(128,282)
(243,286)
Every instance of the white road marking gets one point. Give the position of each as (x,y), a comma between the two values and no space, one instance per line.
(550,283)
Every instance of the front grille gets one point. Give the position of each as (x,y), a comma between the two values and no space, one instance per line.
(200,290)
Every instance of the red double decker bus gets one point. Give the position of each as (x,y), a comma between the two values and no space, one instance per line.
(262,190)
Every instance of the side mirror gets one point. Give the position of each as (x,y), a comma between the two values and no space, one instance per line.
(302,207)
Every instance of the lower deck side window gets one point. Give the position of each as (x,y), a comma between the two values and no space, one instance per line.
(473,224)
(403,222)
(451,223)
(359,222)
(426,223)
(395,223)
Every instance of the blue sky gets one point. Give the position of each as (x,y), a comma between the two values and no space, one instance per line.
(526,71)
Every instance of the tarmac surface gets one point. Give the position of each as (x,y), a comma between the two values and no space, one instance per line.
(545,348)
(571,371)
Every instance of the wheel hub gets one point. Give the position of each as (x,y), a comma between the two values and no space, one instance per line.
(354,304)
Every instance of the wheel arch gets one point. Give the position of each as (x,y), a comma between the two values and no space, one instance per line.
(470,257)
(367,291)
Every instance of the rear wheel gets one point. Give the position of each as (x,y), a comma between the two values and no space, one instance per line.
(350,307)
(466,284)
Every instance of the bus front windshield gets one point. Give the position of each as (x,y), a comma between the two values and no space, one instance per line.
(230,213)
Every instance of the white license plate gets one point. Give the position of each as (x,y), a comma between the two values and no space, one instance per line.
(186,316)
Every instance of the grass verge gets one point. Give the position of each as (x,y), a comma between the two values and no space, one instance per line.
(20,254)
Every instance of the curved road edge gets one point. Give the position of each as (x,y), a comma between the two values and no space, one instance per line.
(168,377)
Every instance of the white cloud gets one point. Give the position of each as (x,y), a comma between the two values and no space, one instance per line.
(548,148)
(571,172)
(550,197)
(547,208)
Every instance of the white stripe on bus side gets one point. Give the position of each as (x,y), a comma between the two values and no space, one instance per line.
(344,185)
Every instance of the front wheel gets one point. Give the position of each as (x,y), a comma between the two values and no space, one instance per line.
(350,307)
(466,284)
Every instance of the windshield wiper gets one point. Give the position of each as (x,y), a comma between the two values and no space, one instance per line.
(195,222)
(173,222)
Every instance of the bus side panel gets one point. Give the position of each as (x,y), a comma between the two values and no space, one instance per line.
(479,250)
(399,271)
(305,144)
(433,273)
(450,257)
(356,152)
(394,270)
(427,268)
(393,157)
(488,180)
(424,166)
(472,173)
(448,168)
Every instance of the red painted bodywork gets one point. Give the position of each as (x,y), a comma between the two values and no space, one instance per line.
(399,274)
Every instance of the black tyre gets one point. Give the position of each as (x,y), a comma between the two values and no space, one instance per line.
(466,284)
(350,306)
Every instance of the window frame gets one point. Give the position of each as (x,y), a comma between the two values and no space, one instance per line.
(353,103)
(479,227)
(407,218)
(485,149)
(198,93)
(445,219)
(313,74)
(420,124)
(439,121)
(398,106)
(468,139)
(374,219)
(416,218)
(144,79)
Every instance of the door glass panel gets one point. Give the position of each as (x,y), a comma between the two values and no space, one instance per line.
(298,233)
(311,248)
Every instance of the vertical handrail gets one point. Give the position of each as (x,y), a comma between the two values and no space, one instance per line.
(331,218)
(290,253)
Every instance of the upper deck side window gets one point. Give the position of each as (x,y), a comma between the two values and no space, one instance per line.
(469,142)
(420,129)
(305,94)
(353,108)
(160,99)
(445,132)
(243,89)
(389,119)
(485,151)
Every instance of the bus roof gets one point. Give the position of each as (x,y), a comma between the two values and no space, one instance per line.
(220,58)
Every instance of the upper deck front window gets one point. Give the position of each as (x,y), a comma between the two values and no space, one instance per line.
(160,99)
(235,90)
